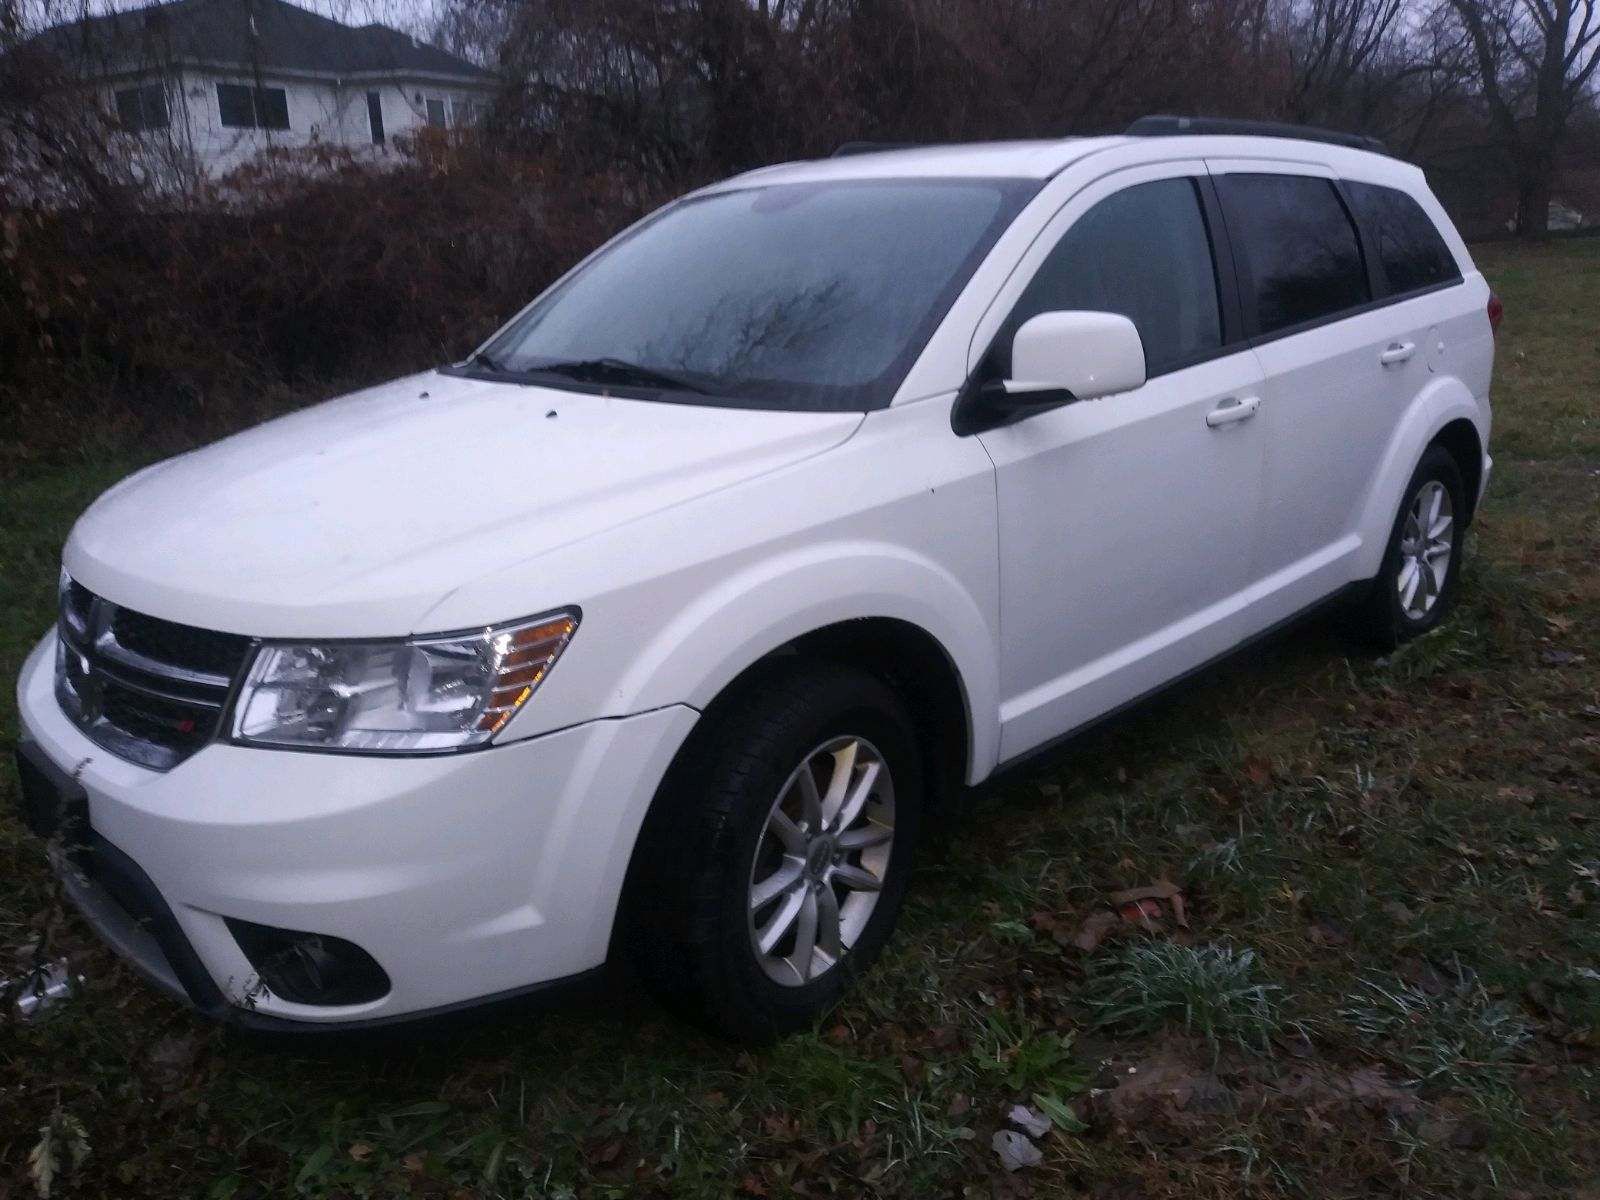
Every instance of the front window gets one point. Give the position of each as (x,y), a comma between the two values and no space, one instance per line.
(143,108)
(244,107)
(1143,252)
(795,296)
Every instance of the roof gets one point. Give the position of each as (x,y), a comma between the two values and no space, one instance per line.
(970,160)
(263,34)
(1044,159)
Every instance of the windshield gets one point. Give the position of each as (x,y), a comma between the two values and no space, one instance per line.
(798,296)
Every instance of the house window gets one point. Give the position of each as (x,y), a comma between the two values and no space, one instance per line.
(435,112)
(467,114)
(375,117)
(145,107)
(253,108)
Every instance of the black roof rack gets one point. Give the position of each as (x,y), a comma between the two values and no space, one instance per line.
(849,148)
(1165,126)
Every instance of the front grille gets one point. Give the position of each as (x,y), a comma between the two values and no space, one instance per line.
(148,690)
(181,645)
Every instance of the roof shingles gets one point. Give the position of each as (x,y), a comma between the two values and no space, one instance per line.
(261,34)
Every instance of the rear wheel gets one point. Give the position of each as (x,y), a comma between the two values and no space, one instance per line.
(773,865)
(1416,586)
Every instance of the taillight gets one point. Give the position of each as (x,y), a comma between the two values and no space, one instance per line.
(1496,311)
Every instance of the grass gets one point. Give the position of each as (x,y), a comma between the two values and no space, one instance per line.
(1213,991)
(1406,849)
(1445,1031)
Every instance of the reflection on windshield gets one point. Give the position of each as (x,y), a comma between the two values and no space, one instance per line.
(799,296)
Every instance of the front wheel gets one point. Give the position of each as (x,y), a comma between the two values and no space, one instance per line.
(773,865)
(1416,585)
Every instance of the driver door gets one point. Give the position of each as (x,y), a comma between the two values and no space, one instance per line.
(1127,525)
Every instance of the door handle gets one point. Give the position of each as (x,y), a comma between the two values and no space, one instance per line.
(1397,352)
(1233,409)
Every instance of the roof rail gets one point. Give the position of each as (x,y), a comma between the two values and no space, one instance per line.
(1166,126)
(849,148)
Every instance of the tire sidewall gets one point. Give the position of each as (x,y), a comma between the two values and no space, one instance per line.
(880,720)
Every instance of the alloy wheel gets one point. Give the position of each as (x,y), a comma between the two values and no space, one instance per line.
(1426,544)
(821,861)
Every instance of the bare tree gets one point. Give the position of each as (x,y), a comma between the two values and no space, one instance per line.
(1536,59)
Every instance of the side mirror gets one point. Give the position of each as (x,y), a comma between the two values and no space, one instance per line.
(1084,354)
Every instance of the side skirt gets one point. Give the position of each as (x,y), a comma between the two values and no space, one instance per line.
(1017,764)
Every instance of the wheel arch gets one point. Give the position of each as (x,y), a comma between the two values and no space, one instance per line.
(1460,438)
(1445,413)
(904,655)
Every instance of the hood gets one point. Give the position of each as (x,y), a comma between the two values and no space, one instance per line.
(354,517)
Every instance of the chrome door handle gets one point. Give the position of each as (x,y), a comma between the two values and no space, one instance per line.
(1397,352)
(1235,408)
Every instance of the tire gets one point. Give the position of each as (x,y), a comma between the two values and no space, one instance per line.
(1385,617)
(712,839)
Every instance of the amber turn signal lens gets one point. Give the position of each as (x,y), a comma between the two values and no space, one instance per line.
(524,657)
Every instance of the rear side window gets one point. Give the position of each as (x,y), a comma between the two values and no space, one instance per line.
(1295,247)
(1144,253)
(1407,242)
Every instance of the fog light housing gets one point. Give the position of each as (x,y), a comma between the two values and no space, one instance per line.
(310,968)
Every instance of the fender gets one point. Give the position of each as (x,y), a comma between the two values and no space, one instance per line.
(748,615)
(1442,401)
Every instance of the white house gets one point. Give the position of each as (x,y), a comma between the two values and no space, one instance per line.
(216,81)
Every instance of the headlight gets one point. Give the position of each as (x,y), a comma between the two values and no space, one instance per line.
(425,695)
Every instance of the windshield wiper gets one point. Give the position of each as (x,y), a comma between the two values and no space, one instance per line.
(487,362)
(620,371)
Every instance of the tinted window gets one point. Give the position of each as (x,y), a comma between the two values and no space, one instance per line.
(1409,247)
(253,108)
(799,296)
(1295,247)
(1143,253)
(143,108)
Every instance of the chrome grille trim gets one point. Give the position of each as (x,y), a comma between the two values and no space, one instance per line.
(116,652)
(139,706)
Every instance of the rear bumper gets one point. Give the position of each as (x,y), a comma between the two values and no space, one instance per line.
(470,878)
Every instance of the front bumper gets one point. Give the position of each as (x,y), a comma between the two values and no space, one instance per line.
(468,877)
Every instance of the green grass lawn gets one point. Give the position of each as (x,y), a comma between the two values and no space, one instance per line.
(1389,982)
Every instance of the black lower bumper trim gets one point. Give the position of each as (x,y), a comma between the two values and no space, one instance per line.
(549,993)
(108,886)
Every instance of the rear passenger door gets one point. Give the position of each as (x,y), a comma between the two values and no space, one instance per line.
(1410,262)
(1330,402)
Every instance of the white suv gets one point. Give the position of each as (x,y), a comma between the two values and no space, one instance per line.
(652,630)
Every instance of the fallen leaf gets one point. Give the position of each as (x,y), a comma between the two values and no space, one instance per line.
(1094,930)
(1015,1151)
(1032,1123)
(1160,890)
(1141,912)
(1326,933)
